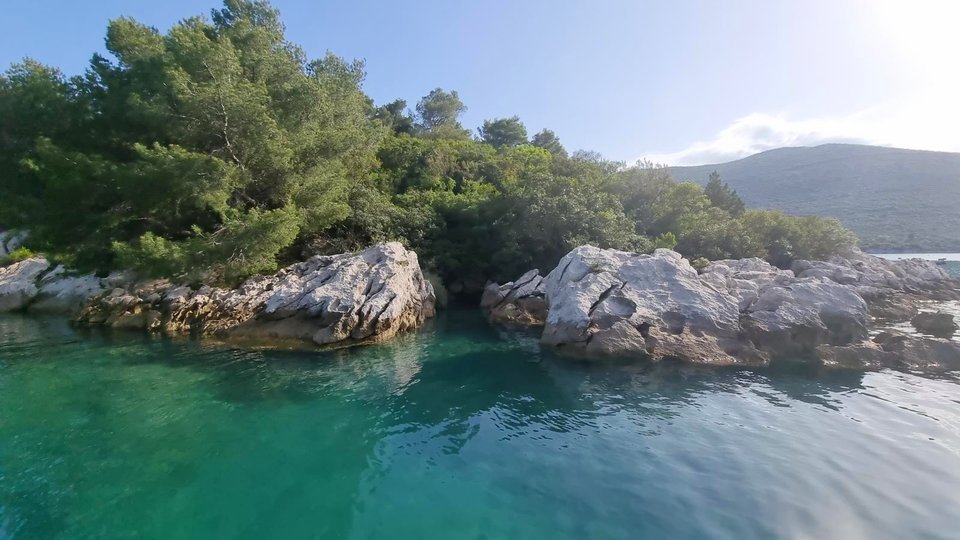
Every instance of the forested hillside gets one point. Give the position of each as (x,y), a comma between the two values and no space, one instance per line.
(894,199)
(218,150)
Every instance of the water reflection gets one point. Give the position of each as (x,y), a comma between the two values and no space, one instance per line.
(463,430)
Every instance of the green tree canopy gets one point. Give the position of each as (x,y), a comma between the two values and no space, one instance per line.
(548,140)
(438,114)
(503,132)
(723,196)
(217,150)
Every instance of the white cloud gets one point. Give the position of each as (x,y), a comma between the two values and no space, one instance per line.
(918,40)
(926,123)
(758,132)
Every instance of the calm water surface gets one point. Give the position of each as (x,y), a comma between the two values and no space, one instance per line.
(461,431)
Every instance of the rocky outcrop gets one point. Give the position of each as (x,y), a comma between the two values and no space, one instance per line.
(736,312)
(18,283)
(920,353)
(936,324)
(326,300)
(869,274)
(65,293)
(613,303)
(892,289)
(518,302)
(33,286)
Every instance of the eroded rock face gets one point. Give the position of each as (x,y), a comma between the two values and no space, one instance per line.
(518,302)
(326,300)
(613,303)
(792,319)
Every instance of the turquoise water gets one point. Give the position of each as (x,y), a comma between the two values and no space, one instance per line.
(461,431)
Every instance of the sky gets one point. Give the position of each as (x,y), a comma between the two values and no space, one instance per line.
(682,83)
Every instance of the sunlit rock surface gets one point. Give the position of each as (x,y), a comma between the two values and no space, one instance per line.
(609,303)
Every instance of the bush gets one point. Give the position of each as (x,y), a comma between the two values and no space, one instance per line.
(15,256)
(699,263)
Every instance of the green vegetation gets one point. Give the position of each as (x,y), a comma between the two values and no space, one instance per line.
(219,150)
(15,256)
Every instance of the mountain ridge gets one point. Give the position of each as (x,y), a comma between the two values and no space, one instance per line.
(895,199)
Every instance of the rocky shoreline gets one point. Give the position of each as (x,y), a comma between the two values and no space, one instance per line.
(336,300)
(609,303)
(846,312)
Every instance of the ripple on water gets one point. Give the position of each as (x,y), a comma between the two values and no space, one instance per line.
(460,431)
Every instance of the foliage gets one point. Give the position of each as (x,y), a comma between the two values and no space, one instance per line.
(699,263)
(438,114)
(549,141)
(895,200)
(218,150)
(503,132)
(15,256)
(723,196)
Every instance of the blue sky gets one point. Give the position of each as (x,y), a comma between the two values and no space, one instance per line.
(680,82)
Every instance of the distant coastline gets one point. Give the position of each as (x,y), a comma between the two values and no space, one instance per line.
(925,256)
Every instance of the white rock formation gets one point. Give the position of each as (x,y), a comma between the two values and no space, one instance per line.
(611,303)
(60,292)
(340,299)
(18,283)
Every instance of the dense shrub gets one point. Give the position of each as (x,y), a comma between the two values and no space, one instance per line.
(15,256)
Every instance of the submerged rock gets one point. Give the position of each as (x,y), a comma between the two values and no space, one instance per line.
(865,356)
(920,353)
(339,299)
(935,324)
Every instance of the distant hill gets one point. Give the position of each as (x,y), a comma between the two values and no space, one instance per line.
(894,199)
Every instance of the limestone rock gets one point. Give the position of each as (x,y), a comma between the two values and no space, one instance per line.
(340,299)
(613,303)
(792,319)
(520,302)
(892,306)
(18,283)
(872,274)
(62,293)
(11,240)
